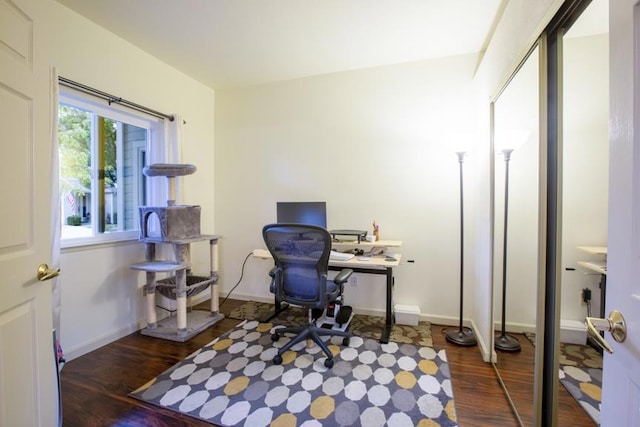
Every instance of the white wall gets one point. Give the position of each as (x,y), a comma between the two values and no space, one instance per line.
(373,145)
(101,296)
(586,167)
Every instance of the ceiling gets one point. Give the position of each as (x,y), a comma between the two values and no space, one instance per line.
(231,43)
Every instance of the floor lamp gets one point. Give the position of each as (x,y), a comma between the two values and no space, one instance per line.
(503,341)
(461,335)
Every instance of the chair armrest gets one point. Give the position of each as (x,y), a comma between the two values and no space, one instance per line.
(272,285)
(343,276)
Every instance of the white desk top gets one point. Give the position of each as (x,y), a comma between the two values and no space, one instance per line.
(366,244)
(596,250)
(372,261)
(597,266)
(355,262)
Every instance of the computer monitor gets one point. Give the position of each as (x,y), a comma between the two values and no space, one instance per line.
(314,213)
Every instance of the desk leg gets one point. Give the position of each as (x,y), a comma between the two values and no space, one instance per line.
(603,301)
(388,324)
(603,295)
(279,308)
(213,267)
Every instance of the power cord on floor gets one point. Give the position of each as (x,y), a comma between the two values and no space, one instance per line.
(239,280)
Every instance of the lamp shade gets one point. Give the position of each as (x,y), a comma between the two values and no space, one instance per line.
(461,142)
(510,139)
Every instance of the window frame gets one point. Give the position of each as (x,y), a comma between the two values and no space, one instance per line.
(154,152)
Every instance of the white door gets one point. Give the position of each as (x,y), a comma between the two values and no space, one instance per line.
(27,366)
(621,378)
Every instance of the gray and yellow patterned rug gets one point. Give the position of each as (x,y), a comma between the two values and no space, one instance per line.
(581,374)
(361,325)
(232,381)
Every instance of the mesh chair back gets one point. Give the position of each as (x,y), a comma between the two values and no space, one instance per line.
(301,254)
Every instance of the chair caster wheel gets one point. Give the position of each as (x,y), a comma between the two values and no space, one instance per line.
(275,337)
(328,363)
(345,341)
(277,359)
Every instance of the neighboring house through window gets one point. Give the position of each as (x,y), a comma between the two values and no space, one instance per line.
(103,149)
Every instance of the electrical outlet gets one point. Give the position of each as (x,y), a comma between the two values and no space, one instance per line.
(353,280)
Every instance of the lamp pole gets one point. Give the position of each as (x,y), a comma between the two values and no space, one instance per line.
(462,335)
(503,341)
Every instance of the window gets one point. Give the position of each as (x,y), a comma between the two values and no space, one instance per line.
(102,151)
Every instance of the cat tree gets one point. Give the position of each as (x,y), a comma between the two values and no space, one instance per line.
(178,226)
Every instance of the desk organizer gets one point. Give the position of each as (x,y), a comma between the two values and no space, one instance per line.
(179,226)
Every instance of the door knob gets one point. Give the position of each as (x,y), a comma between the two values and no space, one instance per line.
(614,324)
(46,273)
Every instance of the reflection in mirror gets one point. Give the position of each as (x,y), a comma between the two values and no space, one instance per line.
(585,172)
(584,176)
(506,142)
(516,134)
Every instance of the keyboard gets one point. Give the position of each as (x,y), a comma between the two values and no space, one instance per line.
(340,256)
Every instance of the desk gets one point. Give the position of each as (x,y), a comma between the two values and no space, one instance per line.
(375,265)
(599,267)
(369,265)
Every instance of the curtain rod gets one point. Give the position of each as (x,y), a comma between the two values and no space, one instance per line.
(111,98)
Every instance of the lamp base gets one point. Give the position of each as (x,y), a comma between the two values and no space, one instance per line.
(505,342)
(461,336)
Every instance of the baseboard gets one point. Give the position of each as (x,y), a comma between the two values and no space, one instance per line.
(514,328)
(200,298)
(244,297)
(483,346)
(97,342)
(442,320)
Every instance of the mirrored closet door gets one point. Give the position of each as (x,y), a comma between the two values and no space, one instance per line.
(577,62)
(516,196)
(585,172)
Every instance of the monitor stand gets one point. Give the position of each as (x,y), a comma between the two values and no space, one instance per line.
(357,233)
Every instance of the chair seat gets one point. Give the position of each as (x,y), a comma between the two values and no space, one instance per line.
(303,293)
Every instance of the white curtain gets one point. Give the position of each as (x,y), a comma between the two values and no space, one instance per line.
(55,209)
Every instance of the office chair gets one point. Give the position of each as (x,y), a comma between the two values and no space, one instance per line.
(301,255)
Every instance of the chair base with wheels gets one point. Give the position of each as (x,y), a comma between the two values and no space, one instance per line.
(312,332)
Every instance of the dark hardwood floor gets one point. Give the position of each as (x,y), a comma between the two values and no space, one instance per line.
(516,370)
(95,387)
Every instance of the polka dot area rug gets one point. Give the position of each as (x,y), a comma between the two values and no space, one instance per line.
(581,374)
(232,381)
(585,385)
